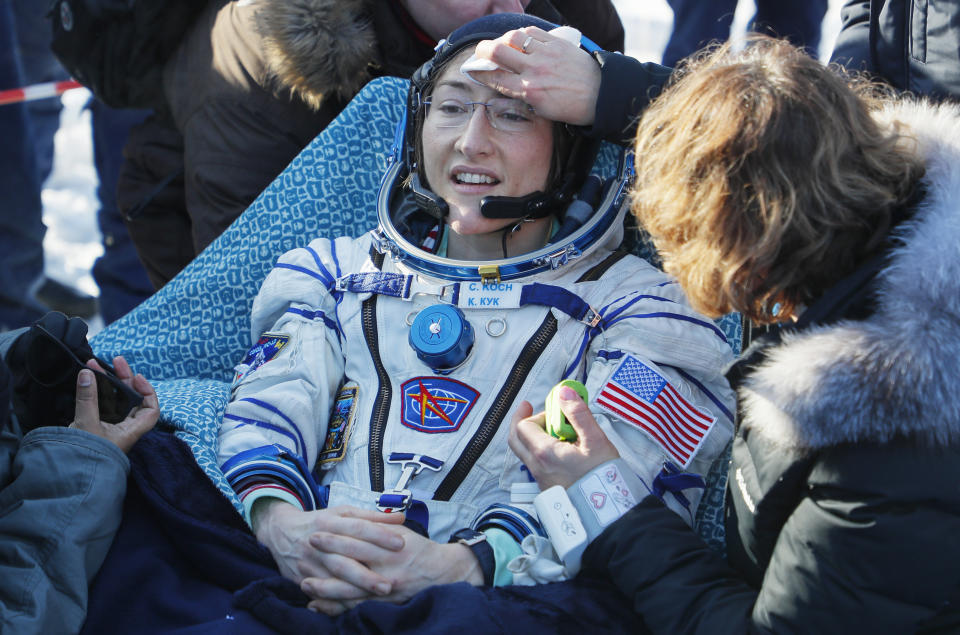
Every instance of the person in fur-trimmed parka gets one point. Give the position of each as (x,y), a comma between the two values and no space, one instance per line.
(823,207)
(253,82)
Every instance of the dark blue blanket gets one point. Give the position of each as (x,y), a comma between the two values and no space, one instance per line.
(184,561)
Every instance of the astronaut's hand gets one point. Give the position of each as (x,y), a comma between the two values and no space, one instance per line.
(420,564)
(554,462)
(288,533)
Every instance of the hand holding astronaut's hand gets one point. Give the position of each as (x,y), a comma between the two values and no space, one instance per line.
(554,462)
(289,534)
(420,564)
(559,79)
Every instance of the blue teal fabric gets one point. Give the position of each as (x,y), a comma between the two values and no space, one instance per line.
(187,337)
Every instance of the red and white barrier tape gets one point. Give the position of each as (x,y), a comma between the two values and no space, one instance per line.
(37,91)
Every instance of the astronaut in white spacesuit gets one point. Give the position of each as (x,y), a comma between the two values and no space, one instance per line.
(386,367)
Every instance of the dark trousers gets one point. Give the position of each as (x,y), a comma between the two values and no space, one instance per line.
(118,272)
(696,23)
(26,132)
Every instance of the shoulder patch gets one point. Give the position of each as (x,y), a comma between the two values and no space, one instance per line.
(260,353)
(338,428)
(436,404)
(640,395)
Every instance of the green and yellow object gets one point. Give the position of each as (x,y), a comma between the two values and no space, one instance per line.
(557,425)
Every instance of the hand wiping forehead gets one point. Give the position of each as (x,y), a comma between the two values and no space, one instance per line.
(551,72)
(474,63)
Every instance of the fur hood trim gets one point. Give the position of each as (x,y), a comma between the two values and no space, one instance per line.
(895,374)
(317,48)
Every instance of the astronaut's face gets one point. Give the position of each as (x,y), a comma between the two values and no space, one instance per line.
(438,18)
(466,158)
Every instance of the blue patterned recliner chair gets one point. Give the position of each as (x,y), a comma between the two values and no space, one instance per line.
(187,337)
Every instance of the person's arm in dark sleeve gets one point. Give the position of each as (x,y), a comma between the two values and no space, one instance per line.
(843,562)
(627,86)
(672,578)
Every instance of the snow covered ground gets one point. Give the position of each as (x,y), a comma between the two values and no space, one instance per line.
(70,203)
(72,242)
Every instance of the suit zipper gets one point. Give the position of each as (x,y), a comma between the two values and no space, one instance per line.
(381,406)
(498,411)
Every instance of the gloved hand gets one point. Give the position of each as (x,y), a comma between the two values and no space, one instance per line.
(44,362)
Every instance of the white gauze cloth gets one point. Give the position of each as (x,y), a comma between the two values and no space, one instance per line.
(566,33)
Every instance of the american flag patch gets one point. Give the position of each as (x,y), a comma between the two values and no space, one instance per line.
(640,395)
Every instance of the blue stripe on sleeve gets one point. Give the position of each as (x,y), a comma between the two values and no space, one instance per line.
(675,316)
(271,450)
(336,259)
(298,268)
(576,360)
(329,279)
(629,304)
(302,448)
(261,424)
(313,315)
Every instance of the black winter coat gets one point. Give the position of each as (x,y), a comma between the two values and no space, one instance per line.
(912,44)
(843,504)
(248,87)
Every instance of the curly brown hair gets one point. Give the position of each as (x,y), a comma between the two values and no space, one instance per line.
(763,177)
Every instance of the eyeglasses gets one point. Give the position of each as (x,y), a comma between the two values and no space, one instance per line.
(50,362)
(508,115)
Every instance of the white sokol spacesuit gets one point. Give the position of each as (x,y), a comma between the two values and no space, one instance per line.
(384,375)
